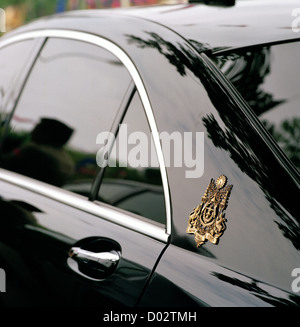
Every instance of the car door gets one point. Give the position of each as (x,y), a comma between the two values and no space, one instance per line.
(61,243)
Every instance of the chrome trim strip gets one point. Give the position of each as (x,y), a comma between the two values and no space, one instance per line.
(81,203)
(123,57)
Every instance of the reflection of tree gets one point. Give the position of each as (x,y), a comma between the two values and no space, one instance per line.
(85,163)
(287,135)
(237,137)
(174,53)
(144,175)
(238,148)
(257,291)
(13,141)
(247,71)
(256,165)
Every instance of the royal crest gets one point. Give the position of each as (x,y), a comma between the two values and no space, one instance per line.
(207,220)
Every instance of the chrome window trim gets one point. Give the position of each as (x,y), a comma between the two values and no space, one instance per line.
(81,203)
(123,57)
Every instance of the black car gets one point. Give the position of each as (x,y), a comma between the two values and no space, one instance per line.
(150,157)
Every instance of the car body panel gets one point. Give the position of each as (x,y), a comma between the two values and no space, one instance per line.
(40,232)
(207,284)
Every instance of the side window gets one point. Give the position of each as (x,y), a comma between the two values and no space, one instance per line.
(268,78)
(73,94)
(13,59)
(132,179)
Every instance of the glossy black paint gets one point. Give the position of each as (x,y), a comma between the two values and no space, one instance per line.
(36,237)
(251,265)
(216,27)
(239,151)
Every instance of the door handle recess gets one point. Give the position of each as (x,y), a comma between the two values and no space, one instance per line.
(93,265)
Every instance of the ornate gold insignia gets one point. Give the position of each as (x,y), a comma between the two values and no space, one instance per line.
(207,220)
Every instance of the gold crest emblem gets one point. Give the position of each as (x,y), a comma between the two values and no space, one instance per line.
(207,220)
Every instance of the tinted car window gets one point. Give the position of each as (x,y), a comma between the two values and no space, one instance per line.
(268,78)
(72,94)
(12,62)
(132,179)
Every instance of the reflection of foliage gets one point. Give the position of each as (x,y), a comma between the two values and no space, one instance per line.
(253,287)
(168,49)
(121,172)
(201,47)
(237,137)
(287,135)
(257,168)
(6,3)
(247,71)
(13,141)
(256,165)
(85,164)
(238,148)
(147,175)
(32,8)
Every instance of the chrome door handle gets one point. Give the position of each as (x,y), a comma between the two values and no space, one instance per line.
(93,265)
(106,259)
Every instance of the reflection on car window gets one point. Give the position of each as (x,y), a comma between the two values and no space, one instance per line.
(132,179)
(12,60)
(72,94)
(269,79)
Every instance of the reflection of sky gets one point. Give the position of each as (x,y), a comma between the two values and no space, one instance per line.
(245,23)
(283,82)
(11,71)
(135,121)
(86,100)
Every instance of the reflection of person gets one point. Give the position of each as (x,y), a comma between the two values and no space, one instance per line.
(43,157)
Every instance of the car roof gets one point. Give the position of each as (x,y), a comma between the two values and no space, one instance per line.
(214,28)
(248,22)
